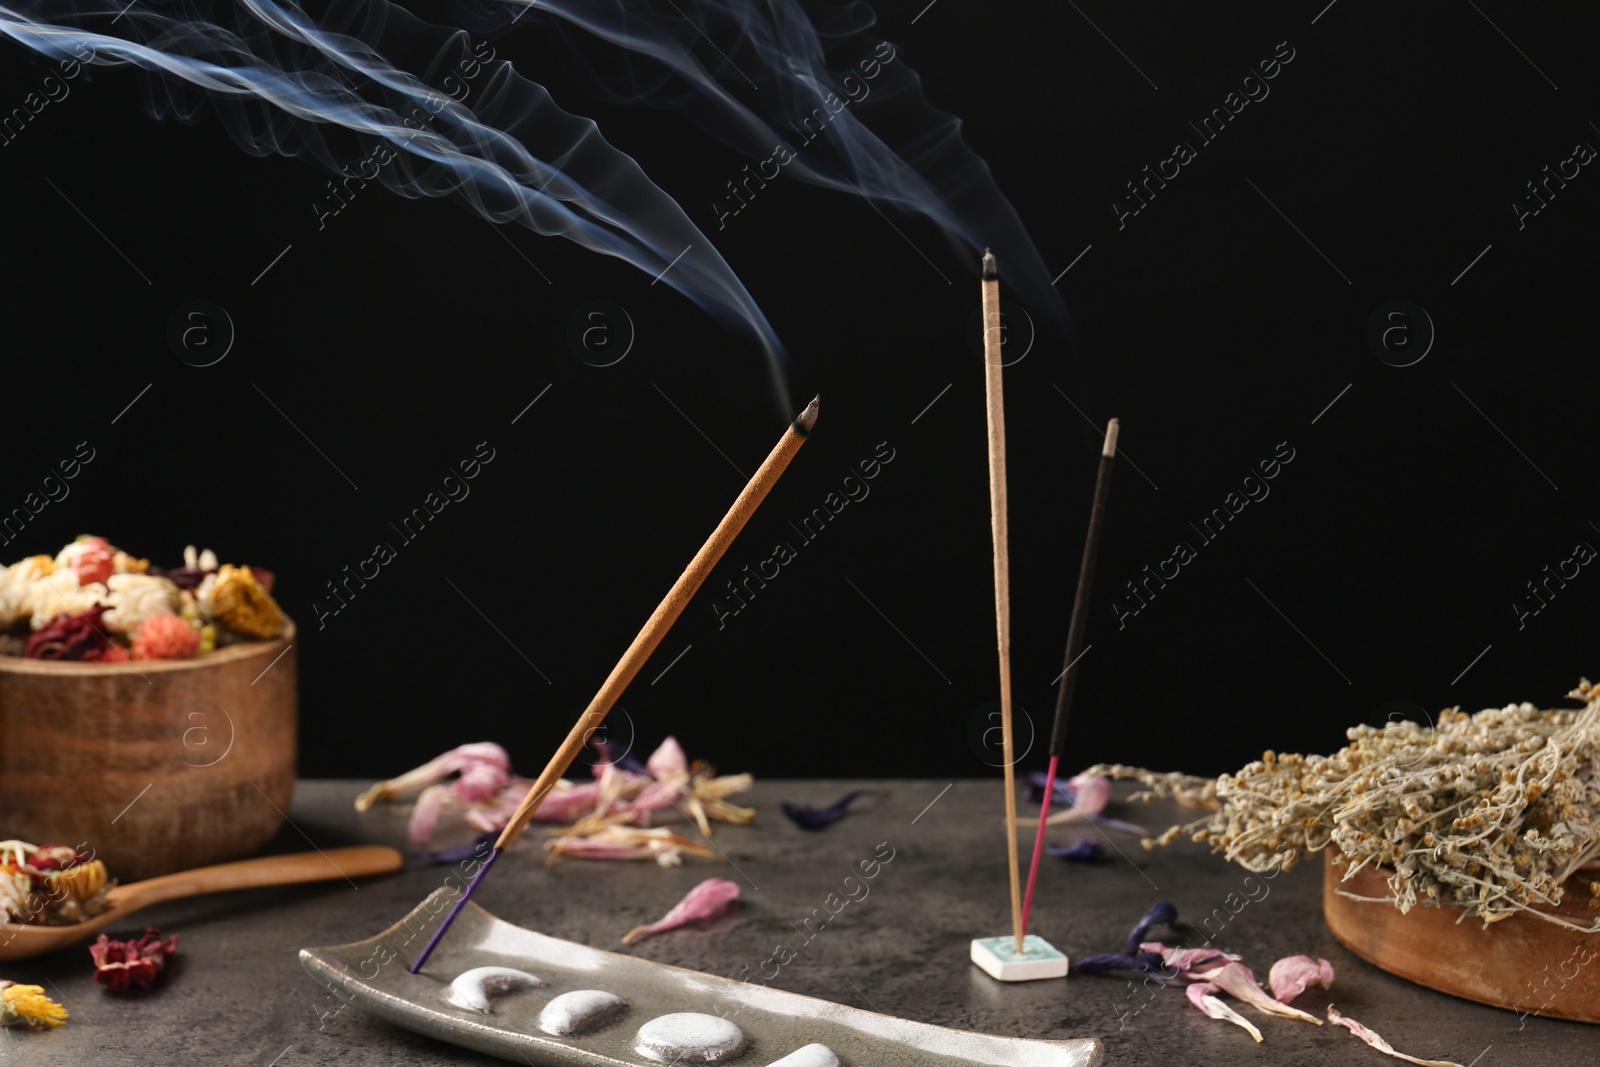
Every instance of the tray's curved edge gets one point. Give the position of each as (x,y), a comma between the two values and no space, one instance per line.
(318,964)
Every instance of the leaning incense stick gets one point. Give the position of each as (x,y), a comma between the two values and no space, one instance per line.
(639,651)
(1075,629)
(994,395)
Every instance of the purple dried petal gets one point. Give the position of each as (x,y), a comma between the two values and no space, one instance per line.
(623,762)
(1162,912)
(1149,962)
(1086,850)
(1062,795)
(807,817)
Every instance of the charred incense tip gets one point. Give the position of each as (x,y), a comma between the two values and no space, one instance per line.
(991,271)
(808,418)
(1110,448)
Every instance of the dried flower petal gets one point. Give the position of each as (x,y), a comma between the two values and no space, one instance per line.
(74,637)
(242,605)
(92,559)
(1239,982)
(1203,996)
(1186,960)
(667,760)
(26,1005)
(131,598)
(1379,1043)
(165,637)
(807,817)
(708,898)
(1291,976)
(1084,850)
(120,965)
(1148,962)
(1162,912)
(1090,793)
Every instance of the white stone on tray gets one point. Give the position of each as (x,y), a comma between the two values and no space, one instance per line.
(471,989)
(812,1055)
(579,1010)
(999,958)
(689,1037)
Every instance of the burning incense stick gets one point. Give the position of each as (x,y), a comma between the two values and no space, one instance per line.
(993,393)
(639,651)
(1069,677)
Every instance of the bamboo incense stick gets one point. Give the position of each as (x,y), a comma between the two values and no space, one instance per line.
(655,628)
(1075,631)
(994,395)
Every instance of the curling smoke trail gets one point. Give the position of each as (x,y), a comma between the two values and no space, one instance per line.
(340,87)
(884,140)
(283,83)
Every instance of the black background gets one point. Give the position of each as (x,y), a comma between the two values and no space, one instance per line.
(1383,563)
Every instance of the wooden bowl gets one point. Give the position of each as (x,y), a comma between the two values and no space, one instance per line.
(156,766)
(1521,963)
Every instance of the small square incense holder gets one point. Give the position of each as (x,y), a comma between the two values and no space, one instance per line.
(1000,960)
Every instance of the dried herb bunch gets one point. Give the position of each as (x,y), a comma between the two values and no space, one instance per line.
(1491,812)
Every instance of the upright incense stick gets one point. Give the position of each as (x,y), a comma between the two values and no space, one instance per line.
(1002,581)
(1075,629)
(639,651)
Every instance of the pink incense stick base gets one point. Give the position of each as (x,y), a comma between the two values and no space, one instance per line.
(1038,839)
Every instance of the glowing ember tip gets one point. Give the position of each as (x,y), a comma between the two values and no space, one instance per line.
(808,418)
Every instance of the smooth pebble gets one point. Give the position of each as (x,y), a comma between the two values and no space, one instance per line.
(813,1055)
(573,1012)
(471,989)
(689,1036)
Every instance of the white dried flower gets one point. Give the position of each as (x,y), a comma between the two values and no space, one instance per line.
(131,598)
(54,595)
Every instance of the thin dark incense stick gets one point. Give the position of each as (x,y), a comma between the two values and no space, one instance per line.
(639,651)
(1075,629)
(994,395)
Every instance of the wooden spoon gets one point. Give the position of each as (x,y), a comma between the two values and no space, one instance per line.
(19,942)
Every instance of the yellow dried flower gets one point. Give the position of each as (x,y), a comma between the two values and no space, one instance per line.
(27,1005)
(242,605)
(82,880)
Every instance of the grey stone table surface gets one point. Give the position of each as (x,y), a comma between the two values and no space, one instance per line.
(236,993)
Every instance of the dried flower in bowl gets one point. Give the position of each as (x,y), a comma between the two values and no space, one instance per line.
(242,605)
(165,637)
(88,601)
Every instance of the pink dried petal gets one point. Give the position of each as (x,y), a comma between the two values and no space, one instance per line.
(1186,960)
(480,780)
(564,805)
(1239,982)
(654,796)
(1203,996)
(120,965)
(93,560)
(703,901)
(1379,1043)
(1292,975)
(1090,794)
(667,760)
(425,815)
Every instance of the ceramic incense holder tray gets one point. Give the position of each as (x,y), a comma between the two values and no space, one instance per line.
(771,1024)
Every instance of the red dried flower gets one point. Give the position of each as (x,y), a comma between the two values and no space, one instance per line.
(78,637)
(114,653)
(94,560)
(55,858)
(165,637)
(121,965)
(263,576)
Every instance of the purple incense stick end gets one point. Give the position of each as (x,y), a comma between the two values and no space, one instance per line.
(427,950)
